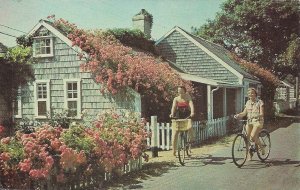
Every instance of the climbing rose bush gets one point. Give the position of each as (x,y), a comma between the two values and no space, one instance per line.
(117,67)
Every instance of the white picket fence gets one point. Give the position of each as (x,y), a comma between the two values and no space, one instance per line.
(202,131)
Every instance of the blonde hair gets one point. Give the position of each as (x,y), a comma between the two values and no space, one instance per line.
(252,89)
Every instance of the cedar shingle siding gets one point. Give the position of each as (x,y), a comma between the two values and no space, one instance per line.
(65,64)
(191,59)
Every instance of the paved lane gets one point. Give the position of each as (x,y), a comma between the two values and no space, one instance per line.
(216,171)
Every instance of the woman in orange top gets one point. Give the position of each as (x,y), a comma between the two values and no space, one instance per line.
(182,108)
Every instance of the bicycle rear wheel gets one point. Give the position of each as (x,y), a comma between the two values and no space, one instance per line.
(239,150)
(264,151)
(182,148)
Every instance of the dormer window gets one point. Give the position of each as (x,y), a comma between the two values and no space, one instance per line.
(43,43)
(43,46)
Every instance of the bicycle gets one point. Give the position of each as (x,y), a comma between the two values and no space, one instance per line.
(241,147)
(183,143)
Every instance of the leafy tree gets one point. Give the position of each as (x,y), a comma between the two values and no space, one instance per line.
(15,71)
(265,32)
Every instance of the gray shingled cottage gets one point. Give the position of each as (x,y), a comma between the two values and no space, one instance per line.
(220,82)
(59,84)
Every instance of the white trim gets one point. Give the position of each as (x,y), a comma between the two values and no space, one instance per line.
(252,81)
(19,104)
(36,99)
(165,36)
(56,33)
(207,81)
(232,70)
(286,84)
(78,99)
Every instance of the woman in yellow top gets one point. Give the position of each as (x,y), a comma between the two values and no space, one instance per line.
(182,108)
(254,110)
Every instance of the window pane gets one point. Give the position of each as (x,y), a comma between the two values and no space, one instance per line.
(72,90)
(69,86)
(43,46)
(47,42)
(16,108)
(74,86)
(42,90)
(72,106)
(48,50)
(42,108)
(43,50)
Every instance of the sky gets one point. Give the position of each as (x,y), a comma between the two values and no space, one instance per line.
(23,15)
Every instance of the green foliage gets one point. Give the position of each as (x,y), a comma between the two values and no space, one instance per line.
(132,38)
(19,54)
(291,56)
(26,126)
(59,119)
(15,150)
(263,32)
(75,137)
(260,30)
(15,71)
(25,41)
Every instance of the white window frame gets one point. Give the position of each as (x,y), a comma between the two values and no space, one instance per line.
(18,104)
(36,100)
(35,44)
(78,99)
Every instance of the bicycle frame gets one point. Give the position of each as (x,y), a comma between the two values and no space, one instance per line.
(242,144)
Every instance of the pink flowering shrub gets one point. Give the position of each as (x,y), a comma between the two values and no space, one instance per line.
(118,139)
(69,155)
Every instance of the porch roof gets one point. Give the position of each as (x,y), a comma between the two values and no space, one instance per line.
(207,81)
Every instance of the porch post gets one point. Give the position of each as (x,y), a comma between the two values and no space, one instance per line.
(224,102)
(209,102)
(239,99)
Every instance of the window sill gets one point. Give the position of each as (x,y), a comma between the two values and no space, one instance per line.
(18,117)
(43,55)
(40,117)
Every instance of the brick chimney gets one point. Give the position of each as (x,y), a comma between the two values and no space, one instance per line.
(143,21)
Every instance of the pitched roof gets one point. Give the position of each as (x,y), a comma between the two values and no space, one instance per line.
(217,52)
(58,33)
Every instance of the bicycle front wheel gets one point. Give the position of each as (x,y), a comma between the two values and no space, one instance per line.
(264,151)
(182,148)
(239,150)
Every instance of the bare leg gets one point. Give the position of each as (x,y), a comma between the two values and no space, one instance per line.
(254,136)
(174,142)
(249,129)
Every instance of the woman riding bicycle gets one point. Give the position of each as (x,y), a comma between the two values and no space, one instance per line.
(182,108)
(254,110)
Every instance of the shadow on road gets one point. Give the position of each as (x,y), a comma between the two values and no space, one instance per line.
(206,159)
(134,179)
(256,164)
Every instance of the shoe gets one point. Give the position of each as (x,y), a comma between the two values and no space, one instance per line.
(250,156)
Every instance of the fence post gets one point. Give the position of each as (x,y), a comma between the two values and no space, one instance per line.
(154,147)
